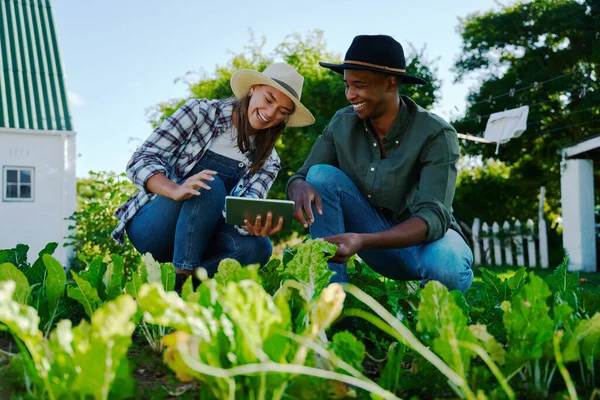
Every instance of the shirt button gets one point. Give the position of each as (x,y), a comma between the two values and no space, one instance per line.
(240,186)
(242,165)
(397,142)
(372,169)
(369,196)
(374,144)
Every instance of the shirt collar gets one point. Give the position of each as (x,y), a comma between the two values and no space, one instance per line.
(399,126)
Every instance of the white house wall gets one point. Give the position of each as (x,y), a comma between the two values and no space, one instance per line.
(38,222)
(577,200)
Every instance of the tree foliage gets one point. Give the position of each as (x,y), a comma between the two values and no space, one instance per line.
(98,197)
(548,51)
(323,91)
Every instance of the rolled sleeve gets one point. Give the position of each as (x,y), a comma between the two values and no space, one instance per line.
(322,152)
(155,154)
(437,183)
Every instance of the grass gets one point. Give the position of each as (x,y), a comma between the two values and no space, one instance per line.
(593,279)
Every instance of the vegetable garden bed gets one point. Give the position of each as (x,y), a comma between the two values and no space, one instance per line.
(116,331)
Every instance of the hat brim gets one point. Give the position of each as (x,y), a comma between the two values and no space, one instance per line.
(242,80)
(339,68)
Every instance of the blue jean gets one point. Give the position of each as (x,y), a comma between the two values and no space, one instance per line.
(193,233)
(345,209)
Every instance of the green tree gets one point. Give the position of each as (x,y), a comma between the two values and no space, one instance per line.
(323,91)
(98,197)
(548,51)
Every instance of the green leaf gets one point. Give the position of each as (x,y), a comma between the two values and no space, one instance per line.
(84,293)
(167,276)
(562,313)
(254,313)
(37,272)
(459,300)
(168,309)
(528,326)
(288,255)
(564,285)
(20,319)
(102,346)
(96,269)
(309,265)
(589,303)
(132,287)
(188,288)
(16,256)
(494,284)
(518,280)
(9,272)
(446,323)
(390,376)
(489,343)
(152,268)
(585,341)
(227,270)
(270,276)
(113,278)
(348,348)
(56,280)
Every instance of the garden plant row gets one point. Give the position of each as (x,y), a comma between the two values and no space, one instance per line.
(282,331)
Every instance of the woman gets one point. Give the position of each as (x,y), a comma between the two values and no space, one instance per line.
(206,150)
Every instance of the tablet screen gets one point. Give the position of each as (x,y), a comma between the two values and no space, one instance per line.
(239,209)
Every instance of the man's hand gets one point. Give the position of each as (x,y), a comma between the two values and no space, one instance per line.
(192,185)
(265,230)
(348,245)
(304,194)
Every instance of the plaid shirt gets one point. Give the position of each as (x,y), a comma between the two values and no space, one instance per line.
(177,145)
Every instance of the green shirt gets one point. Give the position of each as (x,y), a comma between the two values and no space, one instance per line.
(417,176)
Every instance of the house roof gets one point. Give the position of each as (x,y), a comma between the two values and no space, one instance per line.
(33,93)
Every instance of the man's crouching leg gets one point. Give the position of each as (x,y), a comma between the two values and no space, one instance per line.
(337,192)
(447,260)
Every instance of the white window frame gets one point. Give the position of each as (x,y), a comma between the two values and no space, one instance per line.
(5,197)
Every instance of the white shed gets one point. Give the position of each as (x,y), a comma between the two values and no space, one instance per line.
(37,140)
(578,203)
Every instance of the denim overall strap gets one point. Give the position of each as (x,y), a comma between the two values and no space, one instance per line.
(229,170)
(193,233)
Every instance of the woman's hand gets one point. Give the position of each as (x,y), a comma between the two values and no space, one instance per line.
(191,187)
(265,230)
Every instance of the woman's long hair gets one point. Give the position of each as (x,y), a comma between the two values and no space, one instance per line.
(264,139)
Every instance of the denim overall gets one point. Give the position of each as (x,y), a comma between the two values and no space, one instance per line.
(192,233)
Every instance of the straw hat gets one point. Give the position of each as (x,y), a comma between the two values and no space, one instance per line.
(282,77)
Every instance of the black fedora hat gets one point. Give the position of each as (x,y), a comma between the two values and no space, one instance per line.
(380,53)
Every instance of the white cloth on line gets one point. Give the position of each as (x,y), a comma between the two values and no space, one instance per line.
(505,125)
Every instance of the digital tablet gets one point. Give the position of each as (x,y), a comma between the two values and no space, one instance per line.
(240,208)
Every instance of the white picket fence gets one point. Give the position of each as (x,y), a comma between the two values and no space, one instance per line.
(506,245)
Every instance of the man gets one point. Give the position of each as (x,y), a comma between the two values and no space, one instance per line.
(380,180)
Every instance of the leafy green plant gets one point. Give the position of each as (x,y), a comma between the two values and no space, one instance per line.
(242,342)
(41,285)
(98,197)
(150,271)
(100,282)
(85,361)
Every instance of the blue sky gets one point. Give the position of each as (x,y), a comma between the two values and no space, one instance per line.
(122,57)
